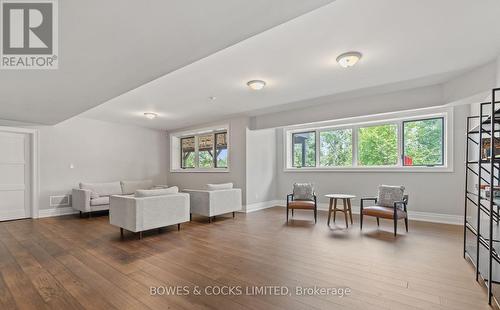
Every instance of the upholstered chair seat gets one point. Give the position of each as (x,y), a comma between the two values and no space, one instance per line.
(302,204)
(384,212)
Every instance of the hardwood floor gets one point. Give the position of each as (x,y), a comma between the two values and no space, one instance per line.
(72,263)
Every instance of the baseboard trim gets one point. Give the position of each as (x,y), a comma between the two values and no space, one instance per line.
(261,205)
(412,215)
(56,212)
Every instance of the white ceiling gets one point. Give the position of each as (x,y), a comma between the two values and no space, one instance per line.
(400,41)
(110,47)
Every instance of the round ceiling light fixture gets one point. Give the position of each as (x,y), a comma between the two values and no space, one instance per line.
(150,115)
(256,84)
(348,59)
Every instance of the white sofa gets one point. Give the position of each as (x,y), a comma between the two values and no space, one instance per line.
(149,209)
(217,199)
(95,196)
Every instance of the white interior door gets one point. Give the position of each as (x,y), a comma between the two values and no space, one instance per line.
(14,176)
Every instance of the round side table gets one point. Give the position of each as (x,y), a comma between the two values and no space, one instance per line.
(346,201)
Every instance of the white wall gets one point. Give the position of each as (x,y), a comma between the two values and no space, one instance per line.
(439,192)
(237,161)
(389,102)
(261,166)
(100,152)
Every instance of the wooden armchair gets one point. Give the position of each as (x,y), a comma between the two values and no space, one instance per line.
(303,198)
(396,212)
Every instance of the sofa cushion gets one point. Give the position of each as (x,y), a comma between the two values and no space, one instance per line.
(156,192)
(388,194)
(215,187)
(303,191)
(103,189)
(129,187)
(99,201)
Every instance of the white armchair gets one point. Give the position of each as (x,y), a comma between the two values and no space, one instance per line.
(138,214)
(214,202)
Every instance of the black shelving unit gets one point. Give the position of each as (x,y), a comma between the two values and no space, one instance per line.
(482,207)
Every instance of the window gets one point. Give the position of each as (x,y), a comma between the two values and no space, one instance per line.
(206,151)
(221,150)
(399,143)
(423,142)
(188,152)
(335,148)
(304,149)
(378,145)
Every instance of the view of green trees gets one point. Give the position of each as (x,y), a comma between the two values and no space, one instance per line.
(335,148)
(378,145)
(206,159)
(188,159)
(423,142)
(309,141)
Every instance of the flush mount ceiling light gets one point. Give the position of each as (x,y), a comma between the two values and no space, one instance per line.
(348,59)
(212,98)
(256,84)
(150,115)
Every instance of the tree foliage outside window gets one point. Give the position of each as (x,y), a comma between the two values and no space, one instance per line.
(378,145)
(423,142)
(211,151)
(335,148)
(304,149)
(187,155)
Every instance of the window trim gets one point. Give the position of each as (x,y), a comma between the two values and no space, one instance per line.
(446,112)
(443,147)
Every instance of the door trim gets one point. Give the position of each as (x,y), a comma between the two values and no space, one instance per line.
(34,165)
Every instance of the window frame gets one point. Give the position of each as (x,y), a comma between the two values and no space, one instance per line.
(442,118)
(355,123)
(175,149)
(181,152)
(315,149)
(353,148)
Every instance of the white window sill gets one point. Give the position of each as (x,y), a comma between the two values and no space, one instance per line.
(372,169)
(198,170)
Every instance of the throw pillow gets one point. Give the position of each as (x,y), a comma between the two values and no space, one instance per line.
(303,191)
(388,194)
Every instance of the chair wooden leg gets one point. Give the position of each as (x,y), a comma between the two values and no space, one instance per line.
(361,220)
(287,211)
(140,235)
(315,215)
(190,217)
(406,224)
(121,233)
(395,227)
(233,214)
(378,221)
(292,212)
(209,219)
(179,226)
